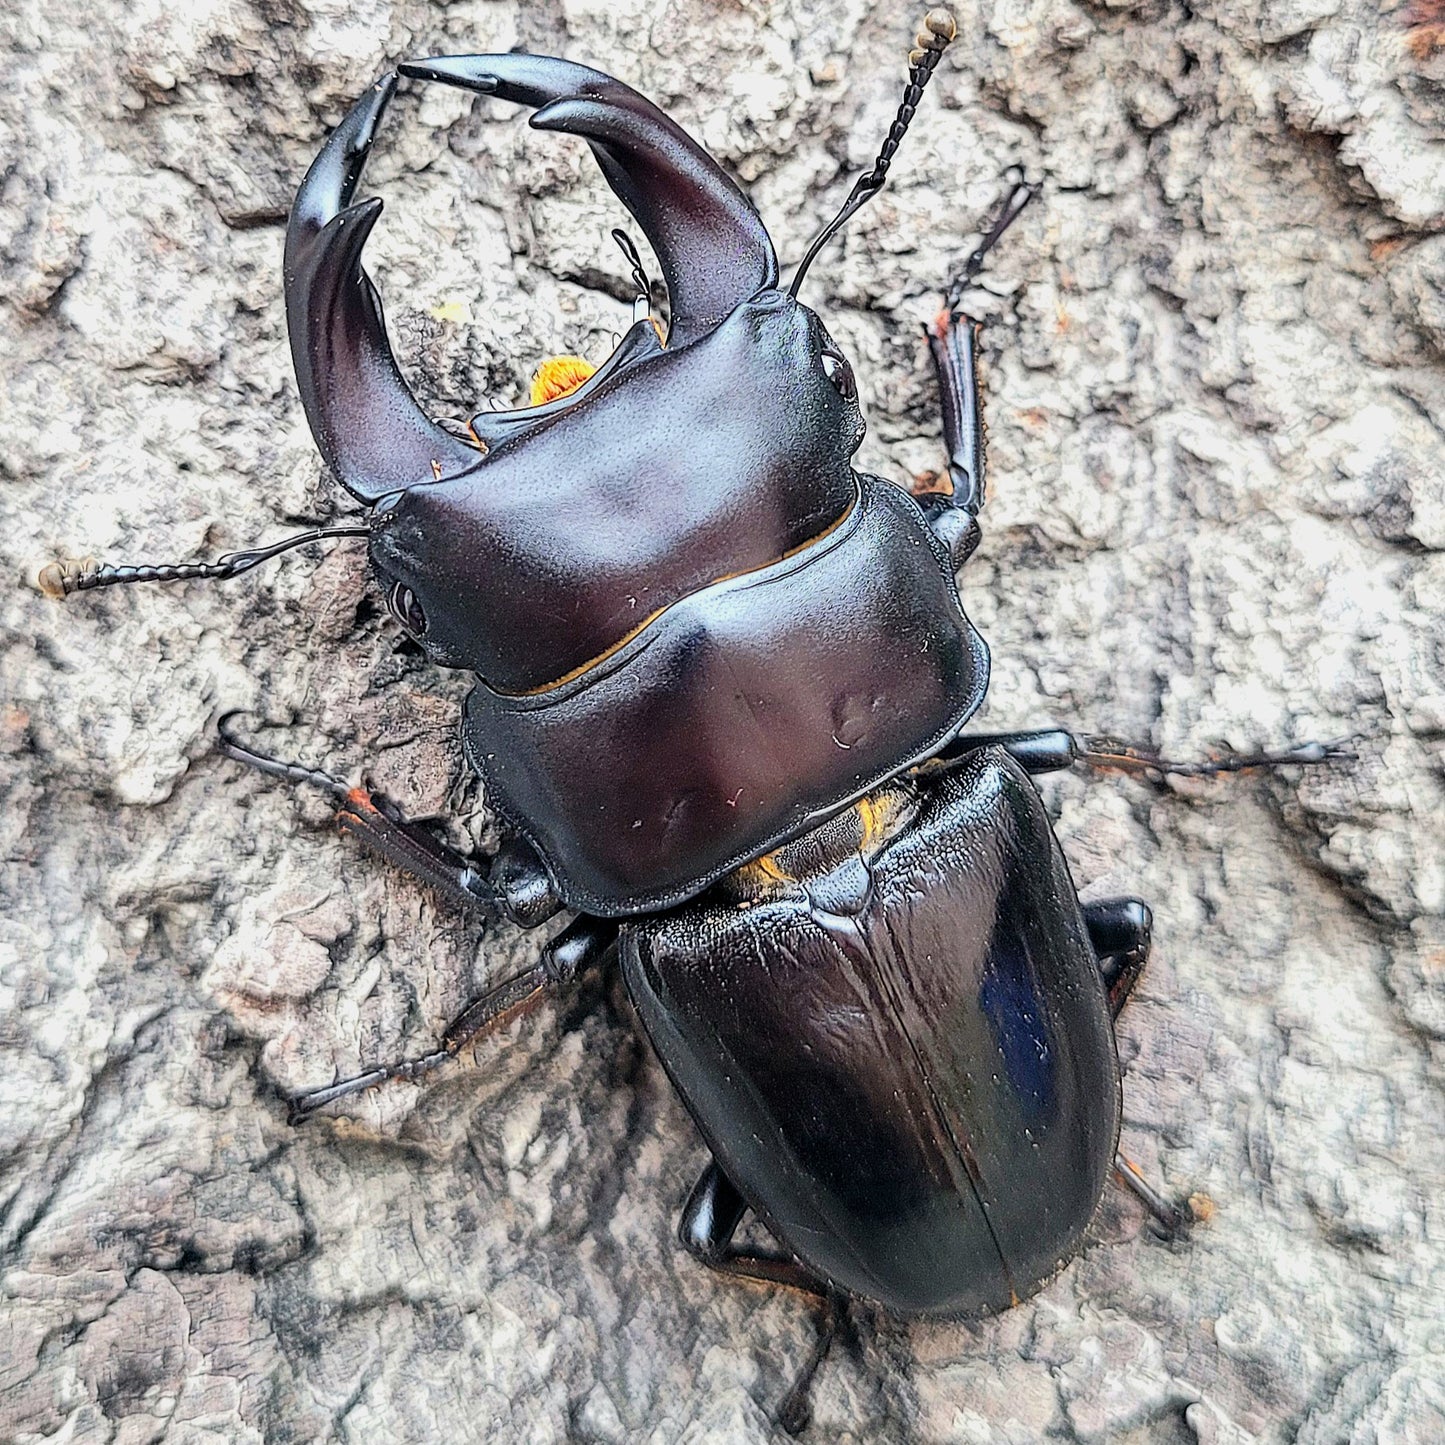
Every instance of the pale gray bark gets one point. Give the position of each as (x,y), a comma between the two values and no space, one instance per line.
(1217,514)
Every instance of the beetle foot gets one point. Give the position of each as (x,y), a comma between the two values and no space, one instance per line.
(234,748)
(301,1107)
(1020,192)
(1171,1220)
(795,1412)
(1112,754)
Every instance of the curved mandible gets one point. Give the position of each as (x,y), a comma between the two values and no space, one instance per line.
(713,247)
(365,420)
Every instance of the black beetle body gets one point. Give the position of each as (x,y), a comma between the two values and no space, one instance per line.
(721,678)
(900,1053)
(706,660)
(753,634)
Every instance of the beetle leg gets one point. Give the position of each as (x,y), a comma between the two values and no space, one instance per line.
(1112,755)
(1171,1218)
(582,943)
(795,1411)
(1120,930)
(1050,750)
(709,1220)
(953,343)
(515,884)
(1044,750)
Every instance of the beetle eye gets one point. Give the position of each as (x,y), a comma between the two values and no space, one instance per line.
(406,609)
(837,370)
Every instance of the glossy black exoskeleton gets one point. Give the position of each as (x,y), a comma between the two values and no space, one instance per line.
(721,682)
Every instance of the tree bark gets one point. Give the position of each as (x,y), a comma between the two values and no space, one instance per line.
(1216,515)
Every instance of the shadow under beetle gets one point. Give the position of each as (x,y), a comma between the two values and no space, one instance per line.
(721,682)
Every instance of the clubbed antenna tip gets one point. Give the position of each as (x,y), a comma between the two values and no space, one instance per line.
(935,34)
(61,578)
(938,31)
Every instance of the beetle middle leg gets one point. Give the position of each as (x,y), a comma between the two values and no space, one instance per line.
(515,884)
(582,943)
(1051,750)
(710,1218)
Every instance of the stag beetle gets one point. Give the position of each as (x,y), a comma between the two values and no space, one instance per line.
(721,682)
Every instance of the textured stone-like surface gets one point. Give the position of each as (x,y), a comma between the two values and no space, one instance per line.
(1218,397)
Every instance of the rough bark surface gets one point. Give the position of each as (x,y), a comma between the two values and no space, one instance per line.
(1217,514)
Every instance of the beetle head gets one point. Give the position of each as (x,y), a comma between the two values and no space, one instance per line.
(712,245)
(686,462)
(674,466)
(684,467)
(468,539)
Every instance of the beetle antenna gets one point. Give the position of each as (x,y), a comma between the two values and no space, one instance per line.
(934,36)
(60,579)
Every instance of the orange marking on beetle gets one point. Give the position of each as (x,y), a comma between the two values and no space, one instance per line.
(559,376)
(358,806)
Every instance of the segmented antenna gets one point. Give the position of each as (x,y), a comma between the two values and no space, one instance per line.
(60,579)
(935,35)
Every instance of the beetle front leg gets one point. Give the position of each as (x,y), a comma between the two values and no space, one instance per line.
(515,884)
(953,344)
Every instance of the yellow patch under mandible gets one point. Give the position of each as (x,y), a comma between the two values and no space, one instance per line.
(559,376)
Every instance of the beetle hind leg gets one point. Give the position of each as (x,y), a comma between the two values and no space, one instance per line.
(1120,930)
(710,1218)
(1172,1220)
(514,883)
